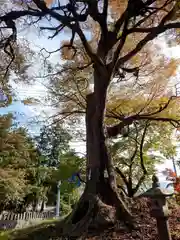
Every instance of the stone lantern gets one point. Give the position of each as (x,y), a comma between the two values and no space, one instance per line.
(159,207)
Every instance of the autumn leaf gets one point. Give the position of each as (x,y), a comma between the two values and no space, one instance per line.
(172,176)
(49,2)
(67,52)
(177,188)
(30,101)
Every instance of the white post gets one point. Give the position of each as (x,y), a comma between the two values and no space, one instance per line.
(58,199)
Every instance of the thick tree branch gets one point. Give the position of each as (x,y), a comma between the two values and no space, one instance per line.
(101,18)
(87,47)
(141,148)
(123,190)
(122,175)
(112,64)
(117,129)
(133,155)
(105,9)
(93,11)
(130,182)
(142,178)
(119,23)
(150,30)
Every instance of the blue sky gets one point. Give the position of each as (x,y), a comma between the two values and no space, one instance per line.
(37,41)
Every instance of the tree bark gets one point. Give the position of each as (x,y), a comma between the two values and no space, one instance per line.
(42,206)
(100,204)
(35,205)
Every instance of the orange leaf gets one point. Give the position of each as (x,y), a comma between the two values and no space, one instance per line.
(48,2)
(173,174)
(177,187)
(170,173)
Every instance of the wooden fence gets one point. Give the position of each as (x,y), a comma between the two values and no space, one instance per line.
(9,220)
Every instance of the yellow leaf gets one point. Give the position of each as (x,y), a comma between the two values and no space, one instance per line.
(30,101)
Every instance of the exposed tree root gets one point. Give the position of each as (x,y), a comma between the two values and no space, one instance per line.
(97,210)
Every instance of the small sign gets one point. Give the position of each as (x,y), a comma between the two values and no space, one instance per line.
(75,179)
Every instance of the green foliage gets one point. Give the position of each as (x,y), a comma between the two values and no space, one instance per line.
(12,186)
(26,173)
(53,141)
(68,200)
(17,157)
(128,153)
(69,164)
(57,157)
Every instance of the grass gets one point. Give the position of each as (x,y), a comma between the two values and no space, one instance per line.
(41,231)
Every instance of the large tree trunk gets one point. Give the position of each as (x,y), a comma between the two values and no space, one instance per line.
(99,205)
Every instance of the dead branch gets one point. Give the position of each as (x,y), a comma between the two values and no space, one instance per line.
(122,175)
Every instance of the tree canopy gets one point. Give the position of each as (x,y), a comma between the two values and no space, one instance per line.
(26,173)
(136,156)
(18,155)
(52,142)
(129,31)
(118,62)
